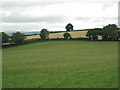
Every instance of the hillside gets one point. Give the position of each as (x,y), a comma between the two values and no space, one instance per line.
(61,64)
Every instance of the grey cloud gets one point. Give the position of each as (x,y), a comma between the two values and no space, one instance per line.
(83,18)
(9,5)
(96,19)
(30,27)
(103,19)
(119,21)
(23,19)
(20,27)
(119,14)
(107,5)
(103,1)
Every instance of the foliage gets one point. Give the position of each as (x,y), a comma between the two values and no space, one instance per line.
(18,38)
(67,35)
(110,32)
(94,33)
(119,34)
(5,38)
(44,34)
(69,27)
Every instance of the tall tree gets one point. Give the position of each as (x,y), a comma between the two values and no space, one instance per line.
(118,35)
(110,32)
(69,27)
(5,37)
(44,34)
(89,34)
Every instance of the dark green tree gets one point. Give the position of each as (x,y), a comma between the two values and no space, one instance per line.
(89,34)
(18,38)
(67,35)
(118,35)
(5,38)
(69,27)
(94,33)
(44,34)
(110,32)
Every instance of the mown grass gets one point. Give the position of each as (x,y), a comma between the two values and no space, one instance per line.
(61,64)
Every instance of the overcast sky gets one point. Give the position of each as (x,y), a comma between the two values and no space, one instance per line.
(54,15)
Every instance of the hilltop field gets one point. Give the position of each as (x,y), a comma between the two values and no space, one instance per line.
(61,64)
(74,34)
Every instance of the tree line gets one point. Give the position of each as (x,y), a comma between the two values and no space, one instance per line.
(109,32)
(19,38)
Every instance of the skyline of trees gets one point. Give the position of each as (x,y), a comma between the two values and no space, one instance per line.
(108,33)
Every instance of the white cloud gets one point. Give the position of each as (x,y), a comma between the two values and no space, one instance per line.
(28,15)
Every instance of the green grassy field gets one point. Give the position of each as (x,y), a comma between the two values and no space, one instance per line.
(61,64)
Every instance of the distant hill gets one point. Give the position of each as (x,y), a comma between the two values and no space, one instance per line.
(26,33)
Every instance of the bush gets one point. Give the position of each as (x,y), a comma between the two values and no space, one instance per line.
(67,35)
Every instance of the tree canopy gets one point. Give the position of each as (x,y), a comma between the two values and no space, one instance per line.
(67,35)
(44,34)
(5,37)
(18,38)
(69,27)
(109,32)
(94,33)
